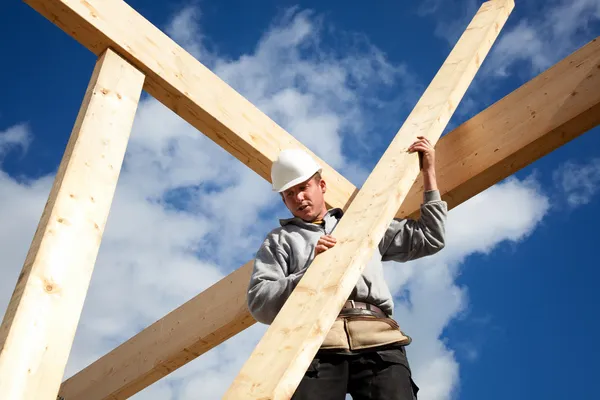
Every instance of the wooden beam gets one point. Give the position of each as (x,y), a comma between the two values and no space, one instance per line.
(563,131)
(550,110)
(296,334)
(533,120)
(183,84)
(40,322)
(197,326)
(524,126)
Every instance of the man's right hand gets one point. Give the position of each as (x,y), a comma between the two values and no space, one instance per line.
(325,242)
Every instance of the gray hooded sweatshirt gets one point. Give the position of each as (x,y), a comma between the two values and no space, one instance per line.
(288,251)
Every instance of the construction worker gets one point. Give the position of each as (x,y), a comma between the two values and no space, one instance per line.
(364,352)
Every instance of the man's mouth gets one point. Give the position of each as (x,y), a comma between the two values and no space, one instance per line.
(302,208)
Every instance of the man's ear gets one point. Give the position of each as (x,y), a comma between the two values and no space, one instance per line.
(323,185)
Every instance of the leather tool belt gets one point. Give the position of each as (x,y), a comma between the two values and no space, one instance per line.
(362,325)
(359,308)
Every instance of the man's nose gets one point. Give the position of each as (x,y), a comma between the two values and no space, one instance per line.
(300,197)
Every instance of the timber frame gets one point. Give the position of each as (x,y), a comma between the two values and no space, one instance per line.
(552,109)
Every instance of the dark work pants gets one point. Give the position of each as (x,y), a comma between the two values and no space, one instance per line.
(374,375)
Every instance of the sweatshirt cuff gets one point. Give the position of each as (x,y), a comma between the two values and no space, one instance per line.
(431,195)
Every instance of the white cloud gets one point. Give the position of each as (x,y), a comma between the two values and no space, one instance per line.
(184,29)
(314,91)
(578,182)
(520,43)
(561,26)
(185,211)
(14,137)
(21,206)
(452,17)
(537,34)
(429,298)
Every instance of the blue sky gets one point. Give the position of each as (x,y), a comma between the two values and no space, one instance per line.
(508,309)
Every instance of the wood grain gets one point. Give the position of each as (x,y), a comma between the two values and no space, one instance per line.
(40,322)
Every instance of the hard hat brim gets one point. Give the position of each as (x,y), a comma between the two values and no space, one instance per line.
(296,181)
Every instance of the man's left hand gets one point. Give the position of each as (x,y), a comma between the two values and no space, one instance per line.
(325,242)
(424,146)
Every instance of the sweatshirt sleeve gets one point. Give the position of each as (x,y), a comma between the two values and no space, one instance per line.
(408,239)
(270,285)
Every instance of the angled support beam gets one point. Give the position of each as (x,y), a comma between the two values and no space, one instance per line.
(40,322)
(294,337)
(547,112)
(183,84)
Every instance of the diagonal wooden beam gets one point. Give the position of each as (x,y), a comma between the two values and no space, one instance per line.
(40,322)
(543,114)
(183,84)
(552,109)
(296,334)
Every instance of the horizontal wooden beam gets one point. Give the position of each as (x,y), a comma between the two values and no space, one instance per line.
(537,118)
(183,84)
(197,326)
(41,319)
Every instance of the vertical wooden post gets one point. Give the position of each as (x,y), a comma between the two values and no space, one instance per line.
(281,358)
(39,326)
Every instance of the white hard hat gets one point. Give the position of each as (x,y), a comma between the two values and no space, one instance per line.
(292,167)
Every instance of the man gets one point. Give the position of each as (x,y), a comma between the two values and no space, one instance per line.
(364,352)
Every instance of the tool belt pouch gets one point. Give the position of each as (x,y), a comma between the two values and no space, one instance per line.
(336,337)
(366,331)
(354,332)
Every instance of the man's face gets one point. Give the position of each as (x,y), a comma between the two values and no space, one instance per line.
(306,200)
